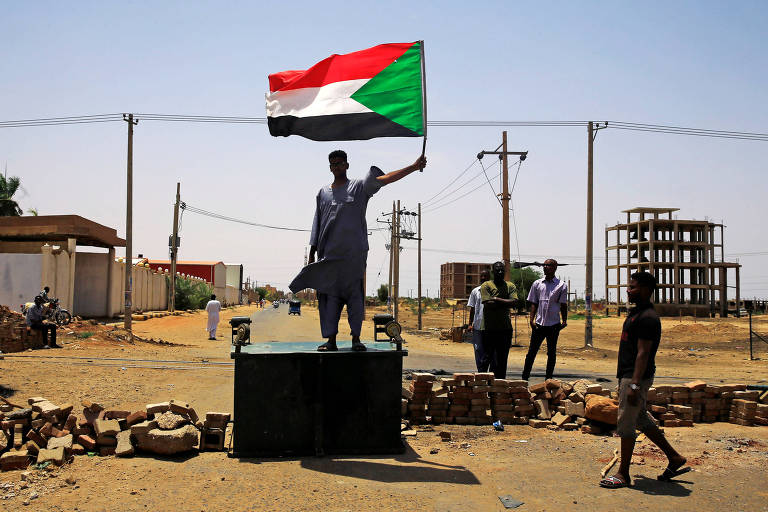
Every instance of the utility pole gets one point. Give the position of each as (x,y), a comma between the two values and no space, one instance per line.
(174,249)
(505,195)
(396,248)
(391,256)
(419,270)
(129,226)
(591,134)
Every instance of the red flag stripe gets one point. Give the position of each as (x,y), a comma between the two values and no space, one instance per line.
(336,68)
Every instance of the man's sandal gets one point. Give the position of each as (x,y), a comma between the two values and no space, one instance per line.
(327,347)
(670,473)
(613,482)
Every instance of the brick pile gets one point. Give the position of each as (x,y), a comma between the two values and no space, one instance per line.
(46,432)
(479,399)
(13,333)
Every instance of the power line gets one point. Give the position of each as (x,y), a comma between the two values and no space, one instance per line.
(200,211)
(190,118)
(452,182)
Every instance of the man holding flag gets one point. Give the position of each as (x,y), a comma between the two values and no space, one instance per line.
(340,240)
(378,92)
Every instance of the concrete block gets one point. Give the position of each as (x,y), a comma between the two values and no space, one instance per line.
(143,427)
(560,419)
(124,447)
(168,442)
(54,455)
(14,459)
(106,427)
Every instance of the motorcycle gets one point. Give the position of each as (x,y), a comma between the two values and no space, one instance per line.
(53,311)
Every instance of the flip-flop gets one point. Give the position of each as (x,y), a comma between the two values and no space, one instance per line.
(358,347)
(670,473)
(327,347)
(613,482)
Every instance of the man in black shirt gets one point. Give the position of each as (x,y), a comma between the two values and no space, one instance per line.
(640,338)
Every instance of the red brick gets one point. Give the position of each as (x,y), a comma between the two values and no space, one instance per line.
(87,442)
(136,417)
(46,429)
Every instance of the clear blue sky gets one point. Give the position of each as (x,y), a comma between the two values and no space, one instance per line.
(700,64)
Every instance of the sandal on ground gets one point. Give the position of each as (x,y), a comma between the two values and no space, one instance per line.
(670,473)
(358,347)
(327,347)
(613,482)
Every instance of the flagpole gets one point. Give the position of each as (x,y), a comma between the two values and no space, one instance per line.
(423,100)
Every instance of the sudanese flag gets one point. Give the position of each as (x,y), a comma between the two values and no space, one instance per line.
(371,93)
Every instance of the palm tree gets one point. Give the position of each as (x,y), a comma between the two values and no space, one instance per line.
(8,187)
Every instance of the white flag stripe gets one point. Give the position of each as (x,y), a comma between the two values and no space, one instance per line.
(330,99)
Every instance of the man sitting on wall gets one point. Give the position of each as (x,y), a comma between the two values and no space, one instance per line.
(36,320)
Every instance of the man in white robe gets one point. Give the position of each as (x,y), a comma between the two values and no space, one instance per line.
(213,308)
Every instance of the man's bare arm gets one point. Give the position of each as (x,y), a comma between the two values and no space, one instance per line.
(532,316)
(393,176)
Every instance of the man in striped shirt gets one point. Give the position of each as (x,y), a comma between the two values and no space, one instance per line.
(549,302)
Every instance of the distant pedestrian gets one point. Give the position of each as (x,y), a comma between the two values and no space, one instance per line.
(475,305)
(213,308)
(549,303)
(640,338)
(36,320)
(498,297)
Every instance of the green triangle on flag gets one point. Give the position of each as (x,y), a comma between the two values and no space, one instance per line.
(396,92)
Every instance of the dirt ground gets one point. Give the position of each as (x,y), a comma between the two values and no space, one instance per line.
(544,469)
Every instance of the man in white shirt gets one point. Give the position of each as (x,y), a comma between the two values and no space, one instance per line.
(549,299)
(476,324)
(213,308)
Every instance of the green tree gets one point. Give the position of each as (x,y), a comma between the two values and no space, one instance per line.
(191,294)
(523,278)
(8,187)
(383,293)
(263,293)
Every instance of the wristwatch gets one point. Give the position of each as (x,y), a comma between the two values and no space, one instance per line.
(634,387)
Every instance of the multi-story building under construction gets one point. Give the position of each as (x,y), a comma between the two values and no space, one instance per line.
(457,279)
(685,256)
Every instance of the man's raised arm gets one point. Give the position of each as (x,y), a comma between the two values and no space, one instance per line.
(393,176)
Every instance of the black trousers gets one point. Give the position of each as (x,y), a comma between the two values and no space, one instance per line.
(45,329)
(496,351)
(538,334)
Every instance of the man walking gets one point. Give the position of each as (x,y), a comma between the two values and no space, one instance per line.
(476,323)
(640,339)
(340,240)
(213,308)
(498,296)
(35,319)
(549,302)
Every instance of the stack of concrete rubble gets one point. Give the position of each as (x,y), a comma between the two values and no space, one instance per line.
(479,398)
(46,432)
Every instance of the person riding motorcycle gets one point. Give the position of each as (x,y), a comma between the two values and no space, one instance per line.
(44,295)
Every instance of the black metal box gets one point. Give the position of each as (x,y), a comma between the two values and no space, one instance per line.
(292,400)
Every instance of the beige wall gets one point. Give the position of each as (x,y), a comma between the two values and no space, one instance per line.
(87,284)
(19,278)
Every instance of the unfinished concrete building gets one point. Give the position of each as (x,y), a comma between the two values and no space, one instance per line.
(686,256)
(457,279)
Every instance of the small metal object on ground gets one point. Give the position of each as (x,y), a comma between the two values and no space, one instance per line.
(509,502)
